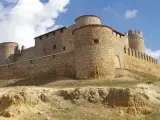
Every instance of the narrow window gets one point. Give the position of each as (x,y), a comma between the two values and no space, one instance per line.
(64,48)
(54,56)
(54,46)
(96,41)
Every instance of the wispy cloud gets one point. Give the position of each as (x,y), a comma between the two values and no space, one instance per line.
(130,14)
(154,53)
(107,8)
(27,19)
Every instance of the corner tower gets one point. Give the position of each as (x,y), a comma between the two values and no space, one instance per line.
(94,52)
(136,40)
(7,52)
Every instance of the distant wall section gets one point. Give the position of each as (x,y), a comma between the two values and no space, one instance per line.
(56,64)
(135,60)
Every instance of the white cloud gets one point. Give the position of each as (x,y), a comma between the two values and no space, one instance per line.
(130,14)
(106,8)
(27,19)
(154,53)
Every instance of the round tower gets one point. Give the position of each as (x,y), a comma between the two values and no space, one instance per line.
(136,40)
(7,51)
(94,52)
(87,20)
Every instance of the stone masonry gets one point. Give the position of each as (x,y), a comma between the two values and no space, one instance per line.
(85,50)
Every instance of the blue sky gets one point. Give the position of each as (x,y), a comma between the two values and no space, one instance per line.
(22,20)
(112,13)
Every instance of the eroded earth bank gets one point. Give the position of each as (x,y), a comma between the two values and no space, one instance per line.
(88,103)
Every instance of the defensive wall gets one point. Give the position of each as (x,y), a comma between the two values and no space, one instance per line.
(64,64)
(56,64)
(138,61)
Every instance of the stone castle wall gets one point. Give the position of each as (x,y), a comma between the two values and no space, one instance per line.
(138,61)
(26,54)
(56,64)
(49,43)
(119,43)
(68,38)
(61,40)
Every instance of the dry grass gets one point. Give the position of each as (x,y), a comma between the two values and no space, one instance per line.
(65,82)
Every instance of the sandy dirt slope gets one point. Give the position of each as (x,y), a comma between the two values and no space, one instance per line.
(102,103)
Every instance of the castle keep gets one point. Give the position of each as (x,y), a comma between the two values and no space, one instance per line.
(86,49)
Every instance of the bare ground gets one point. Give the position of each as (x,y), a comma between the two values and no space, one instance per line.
(88,103)
(130,96)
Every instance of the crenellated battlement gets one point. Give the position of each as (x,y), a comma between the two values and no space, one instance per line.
(118,36)
(134,53)
(137,33)
(136,40)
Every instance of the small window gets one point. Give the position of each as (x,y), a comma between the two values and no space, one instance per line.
(54,56)
(64,48)
(54,46)
(31,61)
(96,41)
(54,33)
(47,35)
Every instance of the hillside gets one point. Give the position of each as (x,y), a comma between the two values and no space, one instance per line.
(131,95)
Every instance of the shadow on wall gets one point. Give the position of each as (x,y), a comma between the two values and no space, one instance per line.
(117,62)
(37,81)
(10,59)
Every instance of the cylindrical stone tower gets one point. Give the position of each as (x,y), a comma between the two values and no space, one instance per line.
(136,40)
(7,51)
(87,20)
(94,52)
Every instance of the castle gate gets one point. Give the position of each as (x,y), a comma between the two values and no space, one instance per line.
(117,62)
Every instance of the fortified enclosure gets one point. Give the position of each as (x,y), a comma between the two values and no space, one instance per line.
(85,50)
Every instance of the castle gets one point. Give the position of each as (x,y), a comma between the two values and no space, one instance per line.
(86,49)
